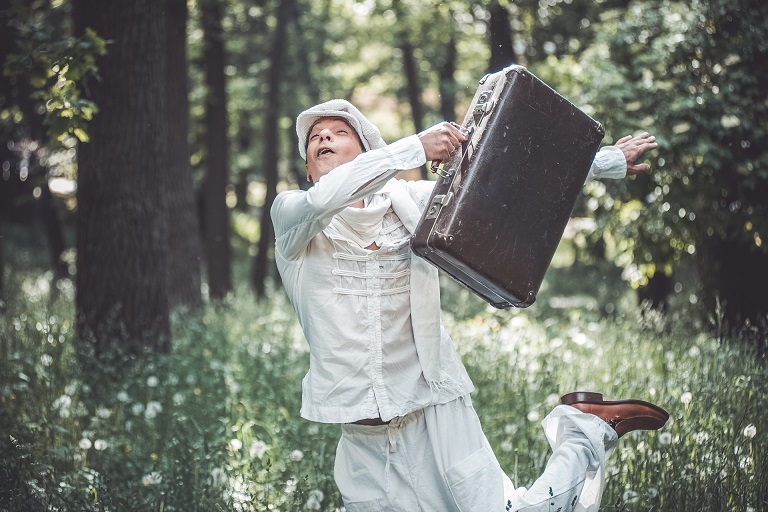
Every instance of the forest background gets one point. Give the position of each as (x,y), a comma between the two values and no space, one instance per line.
(143,144)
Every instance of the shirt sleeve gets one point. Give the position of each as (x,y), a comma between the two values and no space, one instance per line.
(609,163)
(299,215)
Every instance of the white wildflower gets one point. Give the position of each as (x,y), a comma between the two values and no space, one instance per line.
(178,399)
(103,413)
(137,408)
(313,430)
(630,497)
(290,486)
(314,502)
(123,397)
(152,478)
(750,431)
(63,402)
(235,444)
(85,443)
(297,455)
(258,448)
(746,463)
(70,388)
(153,409)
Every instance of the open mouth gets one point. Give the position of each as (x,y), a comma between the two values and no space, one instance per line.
(324,151)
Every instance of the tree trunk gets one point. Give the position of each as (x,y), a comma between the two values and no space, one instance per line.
(447,79)
(502,51)
(217,246)
(734,272)
(122,302)
(411,69)
(656,293)
(271,144)
(184,249)
(54,232)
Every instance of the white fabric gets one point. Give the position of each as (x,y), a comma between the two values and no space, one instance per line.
(369,134)
(438,459)
(609,163)
(375,350)
(354,304)
(363,225)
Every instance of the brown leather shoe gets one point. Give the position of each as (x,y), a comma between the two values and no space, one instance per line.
(623,415)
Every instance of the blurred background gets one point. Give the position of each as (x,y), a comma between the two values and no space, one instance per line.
(143,143)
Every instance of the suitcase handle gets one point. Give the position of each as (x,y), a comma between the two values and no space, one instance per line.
(447,174)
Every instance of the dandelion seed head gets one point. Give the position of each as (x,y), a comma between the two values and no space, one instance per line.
(630,497)
(297,455)
(100,445)
(235,445)
(750,431)
(314,502)
(506,446)
(153,409)
(152,381)
(258,448)
(85,443)
(665,438)
(686,397)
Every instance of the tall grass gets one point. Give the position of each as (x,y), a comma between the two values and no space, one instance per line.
(215,425)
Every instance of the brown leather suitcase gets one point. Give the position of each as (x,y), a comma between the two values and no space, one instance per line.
(501,204)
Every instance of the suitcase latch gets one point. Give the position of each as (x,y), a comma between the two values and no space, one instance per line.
(483,106)
(438,202)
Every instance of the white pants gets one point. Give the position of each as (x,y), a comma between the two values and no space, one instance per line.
(438,459)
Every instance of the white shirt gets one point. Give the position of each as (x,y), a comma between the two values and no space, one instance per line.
(353,303)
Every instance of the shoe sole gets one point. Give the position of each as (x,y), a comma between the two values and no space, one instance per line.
(653,421)
(597,398)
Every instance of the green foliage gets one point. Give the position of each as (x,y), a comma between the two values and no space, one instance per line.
(693,74)
(55,66)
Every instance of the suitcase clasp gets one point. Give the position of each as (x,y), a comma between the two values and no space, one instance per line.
(483,106)
(438,202)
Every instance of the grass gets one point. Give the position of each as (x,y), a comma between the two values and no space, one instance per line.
(215,425)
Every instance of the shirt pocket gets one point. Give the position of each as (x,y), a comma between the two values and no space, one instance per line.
(476,482)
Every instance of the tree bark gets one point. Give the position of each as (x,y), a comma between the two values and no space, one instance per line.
(217,248)
(733,273)
(502,50)
(447,84)
(656,293)
(122,302)
(271,145)
(184,250)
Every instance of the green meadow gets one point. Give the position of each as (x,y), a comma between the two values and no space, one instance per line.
(216,425)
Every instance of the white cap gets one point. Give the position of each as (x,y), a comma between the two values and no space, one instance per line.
(369,134)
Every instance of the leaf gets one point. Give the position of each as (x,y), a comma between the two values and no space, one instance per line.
(81,135)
